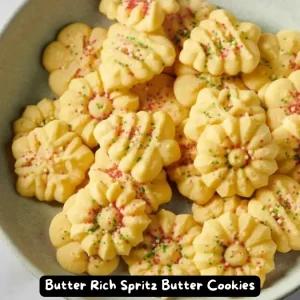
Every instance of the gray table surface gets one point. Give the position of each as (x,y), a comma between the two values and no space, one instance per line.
(16,282)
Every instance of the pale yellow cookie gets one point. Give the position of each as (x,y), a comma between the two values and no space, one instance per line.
(177,68)
(178,26)
(287,137)
(103,223)
(157,95)
(74,54)
(214,106)
(280,56)
(235,245)
(85,104)
(139,143)
(282,99)
(184,173)
(50,162)
(221,44)
(237,156)
(35,116)
(188,85)
(141,15)
(217,206)
(70,254)
(130,57)
(167,248)
(277,206)
(181,69)
(154,193)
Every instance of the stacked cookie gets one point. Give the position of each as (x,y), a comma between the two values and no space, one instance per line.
(176,90)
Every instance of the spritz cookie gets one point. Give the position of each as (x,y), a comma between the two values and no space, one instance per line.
(214,106)
(141,15)
(236,157)
(85,104)
(96,227)
(154,193)
(139,143)
(277,206)
(217,206)
(188,85)
(74,54)
(130,57)
(221,44)
(180,69)
(157,95)
(167,248)
(287,137)
(235,245)
(280,56)
(50,162)
(70,254)
(183,172)
(178,26)
(282,99)
(35,116)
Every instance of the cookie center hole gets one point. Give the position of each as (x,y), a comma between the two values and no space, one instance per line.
(100,108)
(236,255)
(109,219)
(168,253)
(237,158)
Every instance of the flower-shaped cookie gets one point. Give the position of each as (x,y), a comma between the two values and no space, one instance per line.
(70,254)
(235,245)
(158,95)
(277,206)
(141,15)
(188,86)
(217,206)
(214,106)
(184,173)
(130,57)
(287,137)
(154,193)
(178,26)
(280,56)
(236,157)
(50,162)
(74,54)
(282,99)
(167,248)
(105,222)
(35,116)
(85,104)
(221,44)
(139,143)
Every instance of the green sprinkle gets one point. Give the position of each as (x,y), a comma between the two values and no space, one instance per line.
(150,254)
(92,229)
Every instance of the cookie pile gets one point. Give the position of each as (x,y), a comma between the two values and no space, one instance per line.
(177,90)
